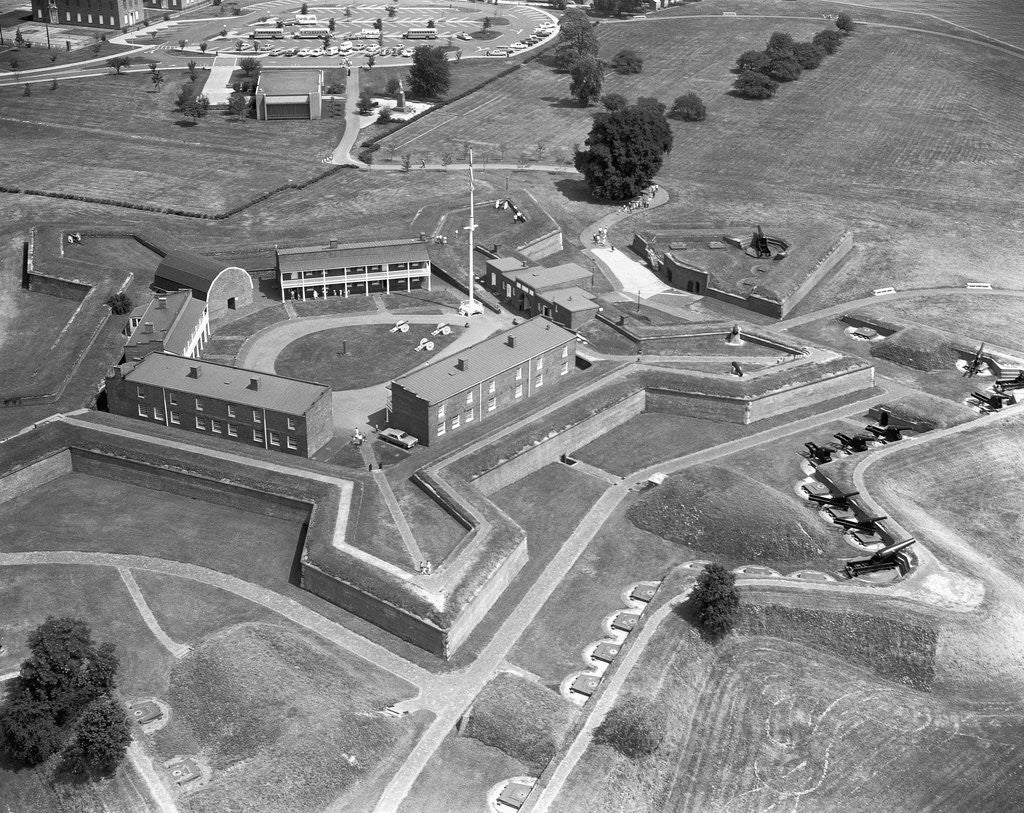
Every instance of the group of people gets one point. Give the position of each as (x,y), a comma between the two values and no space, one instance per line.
(600,237)
(426,568)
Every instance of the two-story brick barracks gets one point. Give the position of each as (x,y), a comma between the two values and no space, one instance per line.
(435,402)
(111,14)
(175,322)
(356,268)
(257,409)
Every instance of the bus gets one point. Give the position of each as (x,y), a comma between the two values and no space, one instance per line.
(420,34)
(313,32)
(267,34)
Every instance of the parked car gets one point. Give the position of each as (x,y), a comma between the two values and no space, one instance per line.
(407,52)
(372,50)
(343,47)
(398,438)
(317,52)
(289,51)
(517,46)
(497,52)
(462,35)
(332,51)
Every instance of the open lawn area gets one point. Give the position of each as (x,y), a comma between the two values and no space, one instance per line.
(40,57)
(372,354)
(75,512)
(123,149)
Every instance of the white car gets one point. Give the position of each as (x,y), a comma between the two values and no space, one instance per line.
(518,46)
(462,35)
(372,50)
(317,52)
(332,51)
(343,47)
(407,52)
(306,52)
(497,52)
(398,438)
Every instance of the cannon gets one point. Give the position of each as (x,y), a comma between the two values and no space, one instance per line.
(401,326)
(868,525)
(819,455)
(885,430)
(975,364)
(990,403)
(425,344)
(880,560)
(857,443)
(1010,384)
(442,329)
(840,501)
(760,244)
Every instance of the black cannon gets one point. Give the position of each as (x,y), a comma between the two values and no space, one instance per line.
(840,501)
(885,430)
(975,364)
(880,560)
(1010,384)
(857,443)
(819,455)
(990,403)
(868,525)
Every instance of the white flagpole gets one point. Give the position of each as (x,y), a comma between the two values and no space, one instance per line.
(472,227)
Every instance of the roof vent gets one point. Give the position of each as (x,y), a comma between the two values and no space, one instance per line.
(334,243)
(195,372)
(462,364)
(254,383)
(147,327)
(511,341)
(161,302)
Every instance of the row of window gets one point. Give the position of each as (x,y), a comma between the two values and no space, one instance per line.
(371,269)
(538,382)
(172,399)
(219,427)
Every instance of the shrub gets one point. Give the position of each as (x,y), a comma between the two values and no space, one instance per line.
(384,117)
(784,69)
(751,85)
(779,44)
(614,101)
(688,107)
(27,91)
(391,88)
(635,727)
(828,41)
(753,61)
(844,22)
(627,61)
(808,55)
(716,599)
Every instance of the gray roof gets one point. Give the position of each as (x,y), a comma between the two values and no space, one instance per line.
(571,299)
(173,324)
(318,258)
(191,270)
(542,279)
(505,264)
(485,360)
(289,82)
(275,392)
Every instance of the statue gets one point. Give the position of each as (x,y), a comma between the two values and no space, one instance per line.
(401,97)
(760,245)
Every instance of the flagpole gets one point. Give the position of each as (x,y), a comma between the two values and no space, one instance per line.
(472,227)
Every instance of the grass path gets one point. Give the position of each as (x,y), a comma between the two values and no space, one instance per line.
(176,649)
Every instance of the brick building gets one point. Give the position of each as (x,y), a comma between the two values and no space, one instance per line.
(222,288)
(356,268)
(557,292)
(481,381)
(176,323)
(256,409)
(112,14)
(289,94)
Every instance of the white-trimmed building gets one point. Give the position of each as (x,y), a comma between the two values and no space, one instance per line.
(174,322)
(289,94)
(357,268)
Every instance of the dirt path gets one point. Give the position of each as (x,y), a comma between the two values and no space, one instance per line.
(176,649)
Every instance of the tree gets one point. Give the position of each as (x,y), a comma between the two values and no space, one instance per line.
(844,22)
(406,162)
(808,55)
(19,38)
(371,60)
(587,78)
(391,88)
(624,151)
(54,85)
(348,11)
(779,44)
(716,599)
(249,65)
(688,107)
(304,9)
(203,46)
(566,57)
(14,63)
(365,104)
(635,727)
(750,85)
(486,25)
(157,78)
(430,75)
(152,67)
(196,108)
(182,44)
(378,24)
(384,117)
(828,41)
(28,733)
(236,105)
(117,63)
(577,32)
(392,11)
(27,90)
(627,61)
(192,72)
(446,160)
(614,101)
(331,25)
(753,61)
(101,739)
(430,24)
(784,69)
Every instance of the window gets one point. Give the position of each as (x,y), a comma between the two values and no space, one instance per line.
(519,374)
(540,364)
(199,405)
(142,411)
(292,444)
(291,424)
(172,399)
(139,393)
(490,388)
(539,382)
(200,422)
(468,416)
(455,423)
(469,397)
(175,418)
(275,438)
(215,426)
(256,418)
(232,431)
(158,413)
(440,413)
(231,411)
(565,352)
(519,390)
(257,436)
(440,429)
(492,404)
(565,367)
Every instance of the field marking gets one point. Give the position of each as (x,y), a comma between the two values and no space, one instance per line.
(442,124)
(176,649)
(158,791)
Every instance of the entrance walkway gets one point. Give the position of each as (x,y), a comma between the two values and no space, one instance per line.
(218,85)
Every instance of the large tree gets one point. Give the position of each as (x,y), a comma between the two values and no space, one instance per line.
(101,739)
(844,22)
(635,727)
(577,32)
(828,40)
(716,599)
(627,61)
(430,75)
(752,85)
(808,55)
(688,107)
(753,61)
(625,150)
(118,62)
(587,78)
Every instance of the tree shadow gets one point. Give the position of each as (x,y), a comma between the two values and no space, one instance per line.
(576,190)
(556,101)
(185,123)
(688,612)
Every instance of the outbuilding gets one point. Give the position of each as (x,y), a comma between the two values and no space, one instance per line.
(289,94)
(223,288)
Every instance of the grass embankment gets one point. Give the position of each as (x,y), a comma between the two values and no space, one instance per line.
(933,412)
(919,348)
(725,513)
(523,719)
(373,354)
(278,716)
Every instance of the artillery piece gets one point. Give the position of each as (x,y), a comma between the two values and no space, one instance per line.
(868,525)
(818,455)
(1010,384)
(991,403)
(857,443)
(838,501)
(880,560)
(884,430)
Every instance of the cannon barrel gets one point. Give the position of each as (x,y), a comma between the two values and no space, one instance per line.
(867,524)
(891,550)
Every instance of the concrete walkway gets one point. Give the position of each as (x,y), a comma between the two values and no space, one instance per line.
(353,122)
(218,85)
(158,792)
(408,539)
(176,649)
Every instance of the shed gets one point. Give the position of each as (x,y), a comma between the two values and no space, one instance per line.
(223,288)
(289,94)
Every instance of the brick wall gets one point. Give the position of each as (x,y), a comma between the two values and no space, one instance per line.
(25,479)
(319,424)
(232,282)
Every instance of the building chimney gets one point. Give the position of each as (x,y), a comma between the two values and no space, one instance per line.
(147,327)
(334,243)
(254,383)
(511,341)
(161,302)
(195,372)
(462,364)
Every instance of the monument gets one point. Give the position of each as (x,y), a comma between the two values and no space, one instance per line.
(400,106)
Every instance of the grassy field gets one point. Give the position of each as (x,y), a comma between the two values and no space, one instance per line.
(40,57)
(217,164)
(277,715)
(74,512)
(373,354)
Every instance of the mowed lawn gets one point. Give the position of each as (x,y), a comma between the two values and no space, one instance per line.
(114,137)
